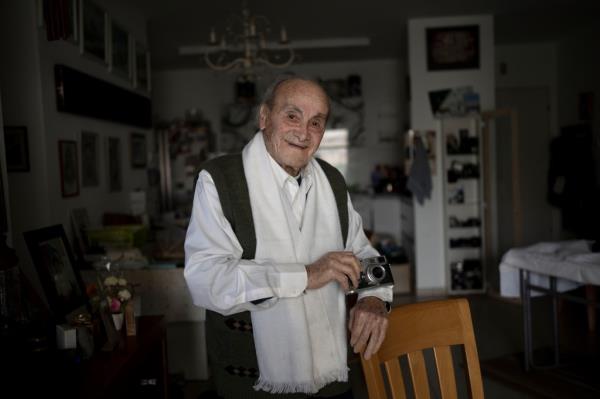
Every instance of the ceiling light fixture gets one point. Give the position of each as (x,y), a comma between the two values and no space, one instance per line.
(248,48)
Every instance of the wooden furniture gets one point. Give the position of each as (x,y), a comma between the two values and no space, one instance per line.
(414,328)
(138,369)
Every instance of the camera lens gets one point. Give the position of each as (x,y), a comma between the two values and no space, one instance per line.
(375,273)
(378,272)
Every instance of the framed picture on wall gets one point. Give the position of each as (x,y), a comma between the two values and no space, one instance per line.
(55,265)
(138,150)
(93,31)
(454,47)
(90,159)
(120,59)
(142,66)
(115,179)
(16,148)
(69,168)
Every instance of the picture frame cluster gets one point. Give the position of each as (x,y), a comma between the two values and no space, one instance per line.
(103,38)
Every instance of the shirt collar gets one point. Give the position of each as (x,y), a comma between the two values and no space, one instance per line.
(281,176)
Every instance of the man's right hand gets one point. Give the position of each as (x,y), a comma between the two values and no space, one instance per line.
(339,266)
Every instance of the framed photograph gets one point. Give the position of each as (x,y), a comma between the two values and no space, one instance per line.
(454,47)
(120,59)
(17,150)
(90,159)
(115,180)
(69,168)
(142,67)
(138,150)
(93,31)
(55,265)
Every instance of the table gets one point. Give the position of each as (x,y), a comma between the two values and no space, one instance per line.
(569,262)
(138,369)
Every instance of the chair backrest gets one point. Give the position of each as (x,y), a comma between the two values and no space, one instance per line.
(435,325)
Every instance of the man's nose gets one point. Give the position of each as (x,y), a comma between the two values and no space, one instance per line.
(302,133)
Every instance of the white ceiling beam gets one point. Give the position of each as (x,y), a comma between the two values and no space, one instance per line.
(335,42)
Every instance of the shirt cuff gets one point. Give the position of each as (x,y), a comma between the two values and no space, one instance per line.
(386,294)
(288,280)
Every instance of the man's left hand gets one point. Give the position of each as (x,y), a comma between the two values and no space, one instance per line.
(368,324)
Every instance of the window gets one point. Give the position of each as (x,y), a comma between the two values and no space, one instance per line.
(334,149)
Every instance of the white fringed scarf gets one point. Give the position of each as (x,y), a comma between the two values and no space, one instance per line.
(300,342)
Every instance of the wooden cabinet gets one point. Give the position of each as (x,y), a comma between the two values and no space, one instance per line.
(463,204)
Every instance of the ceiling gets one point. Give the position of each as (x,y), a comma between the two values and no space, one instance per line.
(176,23)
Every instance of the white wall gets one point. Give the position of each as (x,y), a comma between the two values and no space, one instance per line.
(530,65)
(27,85)
(429,223)
(175,91)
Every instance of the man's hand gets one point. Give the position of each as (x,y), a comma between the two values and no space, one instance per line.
(368,324)
(334,266)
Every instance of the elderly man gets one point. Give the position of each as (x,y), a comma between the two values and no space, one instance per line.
(273,232)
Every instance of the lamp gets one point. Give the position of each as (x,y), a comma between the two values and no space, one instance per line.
(249,47)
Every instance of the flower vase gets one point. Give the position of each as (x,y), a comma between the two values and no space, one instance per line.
(118,320)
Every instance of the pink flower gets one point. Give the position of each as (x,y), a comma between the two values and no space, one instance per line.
(115,305)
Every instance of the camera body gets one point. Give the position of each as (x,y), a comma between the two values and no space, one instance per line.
(375,273)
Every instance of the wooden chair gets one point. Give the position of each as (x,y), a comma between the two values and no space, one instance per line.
(413,328)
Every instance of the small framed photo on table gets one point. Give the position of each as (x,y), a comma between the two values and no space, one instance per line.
(54,262)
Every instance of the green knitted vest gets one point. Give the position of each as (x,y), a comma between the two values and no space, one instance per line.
(230,344)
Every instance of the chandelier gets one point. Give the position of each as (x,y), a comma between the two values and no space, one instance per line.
(244,44)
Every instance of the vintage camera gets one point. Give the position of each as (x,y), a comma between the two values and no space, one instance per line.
(375,272)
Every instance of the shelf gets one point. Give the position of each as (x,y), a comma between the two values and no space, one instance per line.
(462,154)
(463,180)
(468,203)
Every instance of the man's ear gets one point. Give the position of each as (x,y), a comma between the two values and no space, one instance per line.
(263,115)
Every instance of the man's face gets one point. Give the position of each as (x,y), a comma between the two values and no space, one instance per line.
(294,126)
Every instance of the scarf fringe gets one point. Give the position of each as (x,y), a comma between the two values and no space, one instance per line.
(307,387)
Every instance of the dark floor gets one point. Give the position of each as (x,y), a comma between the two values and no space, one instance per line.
(498,330)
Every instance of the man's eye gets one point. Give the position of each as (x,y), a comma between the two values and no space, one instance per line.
(292,117)
(316,123)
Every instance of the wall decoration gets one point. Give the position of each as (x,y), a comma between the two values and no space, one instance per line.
(90,159)
(109,102)
(142,66)
(458,101)
(115,180)
(138,150)
(69,168)
(347,107)
(16,147)
(61,19)
(93,30)
(120,59)
(454,47)
(55,265)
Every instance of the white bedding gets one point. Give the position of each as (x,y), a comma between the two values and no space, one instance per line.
(571,261)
